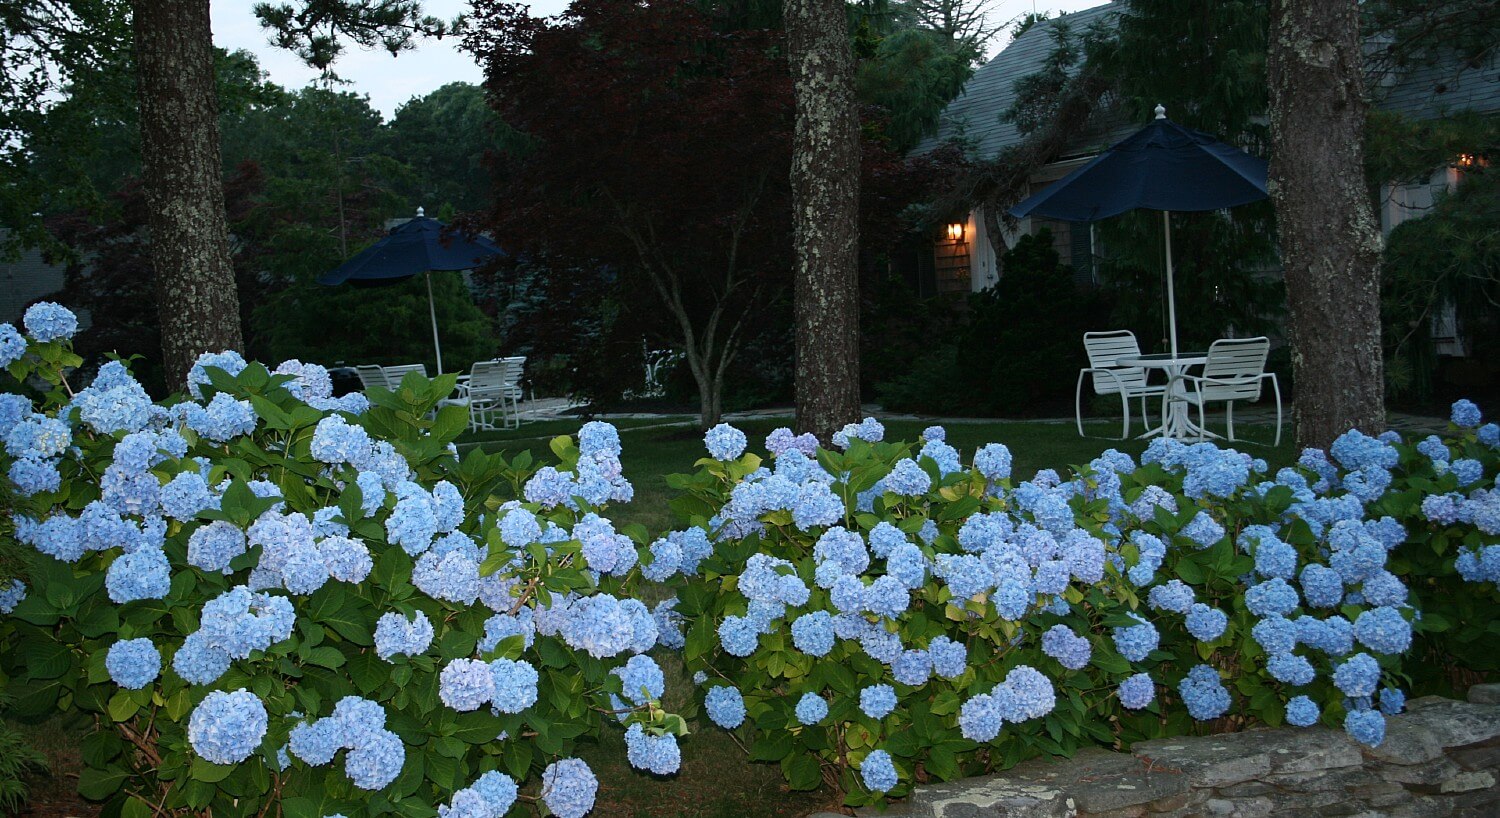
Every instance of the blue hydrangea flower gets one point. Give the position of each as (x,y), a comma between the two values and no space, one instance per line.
(1203,530)
(726,707)
(514,685)
(979,718)
(12,345)
(1290,668)
(498,791)
(1069,649)
(912,668)
(949,658)
(1204,693)
(877,701)
(225,728)
(1465,413)
(1383,630)
(812,633)
(519,528)
(569,787)
(1302,712)
(359,720)
(1489,435)
(811,708)
(376,761)
(46,321)
(35,476)
(1392,701)
(133,663)
(229,361)
(394,634)
(316,742)
(641,680)
(140,574)
(878,772)
(656,754)
(1137,641)
(199,661)
(1272,597)
(1137,691)
(908,479)
(1358,676)
(1467,471)
(1365,726)
(11,595)
(1175,596)
(335,441)
(466,684)
(1025,694)
(724,442)
(993,461)
(1204,623)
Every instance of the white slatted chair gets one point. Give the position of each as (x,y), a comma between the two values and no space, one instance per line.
(394,374)
(483,393)
(1104,350)
(1235,370)
(515,368)
(371,375)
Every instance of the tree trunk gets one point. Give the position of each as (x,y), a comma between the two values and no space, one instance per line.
(184,183)
(1330,241)
(825,204)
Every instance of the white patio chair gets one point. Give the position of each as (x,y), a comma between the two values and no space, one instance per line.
(483,393)
(1104,350)
(1235,370)
(515,368)
(371,375)
(394,374)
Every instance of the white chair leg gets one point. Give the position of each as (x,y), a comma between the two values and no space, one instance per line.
(1145,416)
(1125,410)
(1276,387)
(1229,417)
(1078,403)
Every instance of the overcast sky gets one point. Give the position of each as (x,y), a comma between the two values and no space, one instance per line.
(391,81)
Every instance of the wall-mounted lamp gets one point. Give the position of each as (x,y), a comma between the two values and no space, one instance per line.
(956,231)
(1466,160)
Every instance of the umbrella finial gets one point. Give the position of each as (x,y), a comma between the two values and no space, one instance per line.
(421,211)
(1161,111)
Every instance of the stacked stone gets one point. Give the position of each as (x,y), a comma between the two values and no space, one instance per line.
(1440,758)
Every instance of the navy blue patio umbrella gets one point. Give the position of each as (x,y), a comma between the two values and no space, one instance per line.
(419,246)
(1163,166)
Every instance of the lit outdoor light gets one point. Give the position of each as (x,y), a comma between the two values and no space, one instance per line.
(1466,160)
(956,231)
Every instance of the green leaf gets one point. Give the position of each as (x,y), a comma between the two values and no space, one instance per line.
(802,772)
(208,772)
(97,785)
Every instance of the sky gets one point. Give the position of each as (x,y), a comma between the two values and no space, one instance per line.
(391,81)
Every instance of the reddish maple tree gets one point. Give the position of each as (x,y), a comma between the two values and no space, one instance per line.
(652,144)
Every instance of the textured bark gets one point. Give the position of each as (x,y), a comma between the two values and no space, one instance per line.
(1330,241)
(184,185)
(825,208)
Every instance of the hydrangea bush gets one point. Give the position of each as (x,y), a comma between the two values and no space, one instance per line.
(881,614)
(268,597)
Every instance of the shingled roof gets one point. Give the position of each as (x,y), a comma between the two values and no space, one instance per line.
(975,113)
(1421,91)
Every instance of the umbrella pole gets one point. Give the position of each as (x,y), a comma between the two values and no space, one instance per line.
(432,311)
(1166,221)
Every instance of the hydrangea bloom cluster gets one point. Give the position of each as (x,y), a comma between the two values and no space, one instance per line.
(358,725)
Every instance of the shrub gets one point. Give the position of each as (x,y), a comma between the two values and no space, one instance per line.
(878,616)
(270,597)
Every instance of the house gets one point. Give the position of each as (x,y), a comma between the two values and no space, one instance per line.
(25,279)
(963,258)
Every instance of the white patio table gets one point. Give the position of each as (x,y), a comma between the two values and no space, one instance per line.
(1176,420)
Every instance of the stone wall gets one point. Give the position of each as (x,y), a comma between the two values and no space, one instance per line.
(1441,757)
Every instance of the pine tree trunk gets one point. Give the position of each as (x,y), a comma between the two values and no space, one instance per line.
(1330,241)
(184,183)
(825,203)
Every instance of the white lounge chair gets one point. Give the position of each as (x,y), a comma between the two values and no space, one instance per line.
(1104,350)
(1235,370)
(486,390)
(394,374)
(371,375)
